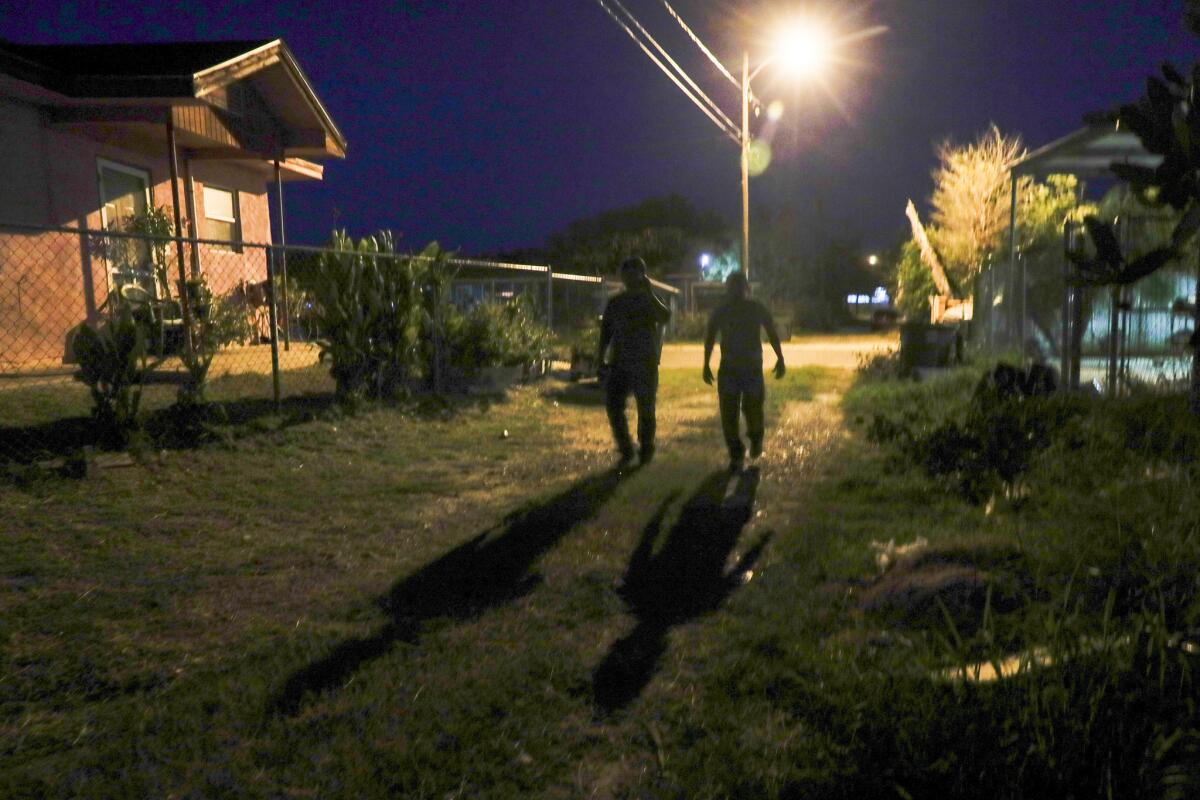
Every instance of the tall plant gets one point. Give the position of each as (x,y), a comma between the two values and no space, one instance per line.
(213,325)
(112,361)
(368,308)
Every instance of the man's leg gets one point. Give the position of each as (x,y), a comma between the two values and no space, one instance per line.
(616,392)
(645,392)
(752,407)
(730,402)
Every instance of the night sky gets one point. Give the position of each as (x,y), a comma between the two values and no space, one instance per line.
(490,123)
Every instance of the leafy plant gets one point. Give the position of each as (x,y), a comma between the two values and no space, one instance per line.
(212,324)
(1167,121)
(1011,417)
(112,361)
(157,225)
(497,334)
(369,308)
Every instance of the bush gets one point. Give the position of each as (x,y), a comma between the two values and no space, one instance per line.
(1012,416)
(584,340)
(112,361)
(369,309)
(212,324)
(494,335)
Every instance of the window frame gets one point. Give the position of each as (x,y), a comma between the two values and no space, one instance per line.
(112,268)
(235,242)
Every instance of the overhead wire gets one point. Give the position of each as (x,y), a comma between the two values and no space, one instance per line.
(707,106)
(642,28)
(704,49)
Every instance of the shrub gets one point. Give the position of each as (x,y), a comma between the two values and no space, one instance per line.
(369,310)
(212,324)
(1012,416)
(496,334)
(112,361)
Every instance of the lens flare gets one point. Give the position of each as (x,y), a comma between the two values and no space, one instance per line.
(759,157)
(775,111)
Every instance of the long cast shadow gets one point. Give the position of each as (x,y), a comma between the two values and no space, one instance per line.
(684,579)
(489,570)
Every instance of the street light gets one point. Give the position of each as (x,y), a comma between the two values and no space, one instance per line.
(805,48)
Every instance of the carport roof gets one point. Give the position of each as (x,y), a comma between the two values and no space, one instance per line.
(1088,153)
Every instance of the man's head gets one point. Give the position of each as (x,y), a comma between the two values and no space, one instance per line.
(736,285)
(633,273)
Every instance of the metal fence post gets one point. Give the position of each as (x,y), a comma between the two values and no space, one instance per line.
(270,251)
(550,298)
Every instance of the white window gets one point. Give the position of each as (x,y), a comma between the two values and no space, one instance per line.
(221,218)
(124,196)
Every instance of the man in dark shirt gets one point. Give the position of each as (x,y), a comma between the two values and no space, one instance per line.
(740,386)
(632,325)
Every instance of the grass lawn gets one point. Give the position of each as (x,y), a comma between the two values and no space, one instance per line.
(472,604)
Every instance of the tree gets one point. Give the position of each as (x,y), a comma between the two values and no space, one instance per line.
(971,209)
(971,200)
(662,230)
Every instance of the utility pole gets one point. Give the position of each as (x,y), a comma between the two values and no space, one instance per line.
(746,165)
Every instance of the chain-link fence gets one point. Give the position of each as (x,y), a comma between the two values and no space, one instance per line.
(1032,308)
(53,280)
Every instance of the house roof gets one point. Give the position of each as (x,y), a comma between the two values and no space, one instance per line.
(1088,153)
(177,72)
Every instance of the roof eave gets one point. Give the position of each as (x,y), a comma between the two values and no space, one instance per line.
(226,72)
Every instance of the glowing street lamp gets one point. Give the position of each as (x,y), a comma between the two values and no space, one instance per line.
(873,260)
(805,49)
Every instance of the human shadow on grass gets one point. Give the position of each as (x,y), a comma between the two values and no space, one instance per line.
(686,578)
(491,569)
(584,393)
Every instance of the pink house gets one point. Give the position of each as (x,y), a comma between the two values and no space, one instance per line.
(91,135)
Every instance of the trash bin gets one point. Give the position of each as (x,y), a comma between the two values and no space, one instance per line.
(925,346)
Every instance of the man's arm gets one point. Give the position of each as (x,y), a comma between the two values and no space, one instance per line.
(710,338)
(606,334)
(660,310)
(773,337)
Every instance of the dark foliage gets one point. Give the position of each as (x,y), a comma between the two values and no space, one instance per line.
(1012,416)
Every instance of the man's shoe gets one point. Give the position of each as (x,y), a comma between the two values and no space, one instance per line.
(755,450)
(625,459)
(647,455)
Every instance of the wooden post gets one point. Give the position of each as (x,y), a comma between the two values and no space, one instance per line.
(273,319)
(189,199)
(287,335)
(173,163)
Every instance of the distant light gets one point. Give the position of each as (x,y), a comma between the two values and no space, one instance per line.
(881,296)
(705,260)
(864,299)
(775,111)
(852,299)
(873,260)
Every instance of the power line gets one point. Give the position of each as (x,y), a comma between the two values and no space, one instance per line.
(731,132)
(716,109)
(704,49)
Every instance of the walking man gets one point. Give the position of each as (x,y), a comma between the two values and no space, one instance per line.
(632,325)
(740,386)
